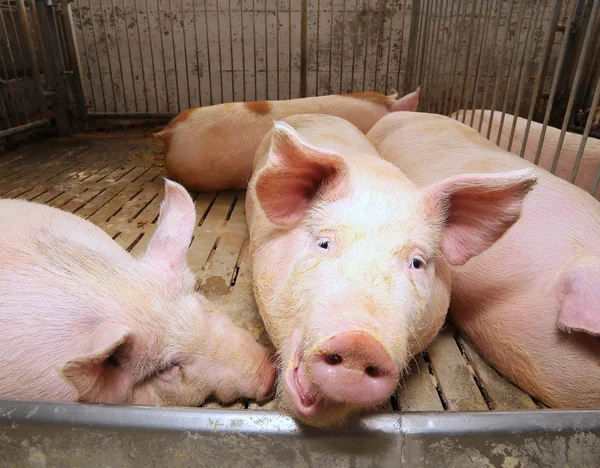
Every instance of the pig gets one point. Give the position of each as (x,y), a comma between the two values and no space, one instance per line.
(350,261)
(212,148)
(85,321)
(531,302)
(590,160)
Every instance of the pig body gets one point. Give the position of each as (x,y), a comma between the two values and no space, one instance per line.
(212,148)
(590,160)
(530,303)
(350,260)
(83,320)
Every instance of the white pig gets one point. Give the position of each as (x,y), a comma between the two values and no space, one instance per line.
(349,259)
(590,160)
(82,320)
(212,148)
(530,303)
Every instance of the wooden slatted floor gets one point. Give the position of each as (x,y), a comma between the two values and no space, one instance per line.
(117,183)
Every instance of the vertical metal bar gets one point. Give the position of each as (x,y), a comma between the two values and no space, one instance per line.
(467,59)
(430,64)
(490,62)
(73,51)
(450,96)
(266,56)
(342,47)
(187,70)
(575,86)
(472,31)
(137,23)
(557,72)
(15,74)
(426,41)
(499,69)
(277,40)
(175,71)
(443,78)
(400,52)
(586,132)
(488,16)
(366,43)
(420,39)
(162,49)
(510,71)
(112,83)
(87,60)
(330,47)
(290,49)
(17,40)
(253,44)
(303,47)
(154,70)
(437,78)
(230,55)
(114,15)
(413,37)
(540,76)
(532,47)
(243,49)
(354,45)
(35,73)
(377,47)
(10,93)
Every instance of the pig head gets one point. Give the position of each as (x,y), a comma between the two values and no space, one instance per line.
(351,261)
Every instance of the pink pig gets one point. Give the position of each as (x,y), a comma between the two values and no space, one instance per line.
(212,148)
(531,303)
(83,320)
(590,160)
(349,259)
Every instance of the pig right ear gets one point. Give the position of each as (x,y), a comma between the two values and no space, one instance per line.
(97,375)
(297,173)
(477,209)
(408,103)
(169,244)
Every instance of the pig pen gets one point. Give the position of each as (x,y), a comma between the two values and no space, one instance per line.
(89,69)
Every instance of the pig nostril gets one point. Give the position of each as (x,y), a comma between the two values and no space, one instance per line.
(333,359)
(373,371)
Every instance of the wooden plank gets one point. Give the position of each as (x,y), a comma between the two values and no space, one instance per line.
(417,391)
(501,394)
(456,383)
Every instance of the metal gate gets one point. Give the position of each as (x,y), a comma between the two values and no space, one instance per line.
(39,80)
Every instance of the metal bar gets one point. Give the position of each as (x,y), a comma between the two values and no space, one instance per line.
(208,56)
(377,48)
(117,46)
(450,96)
(427,46)
(530,45)
(162,49)
(24,23)
(354,46)
(289,48)
(10,93)
(488,15)
(499,69)
(437,78)
(277,46)
(87,60)
(303,47)
(413,37)
(73,51)
(510,70)
(144,86)
(443,78)
(431,62)
(187,71)
(342,46)
(578,73)
(467,60)
(330,46)
(425,42)
(230,55)
(243,49)
(540,77)
(389,54)
(557,72)
(266,57)
(112,83)
(490,61)
(175,71)
(586,132)
(420,39)
(154,70)
(366,42)
(97,55)
(24,128)
(12,19)
(400,52)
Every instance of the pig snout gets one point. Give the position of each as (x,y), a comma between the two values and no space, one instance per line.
(353,368)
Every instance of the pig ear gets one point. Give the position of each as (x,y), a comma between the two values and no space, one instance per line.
(580,300)
(408,103)
(477,209)
(297,173)
(96,375)
(176,223)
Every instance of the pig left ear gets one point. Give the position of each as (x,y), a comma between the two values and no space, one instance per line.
(579,295)
(408,103)
(477,209)
(176,223)
(97,375)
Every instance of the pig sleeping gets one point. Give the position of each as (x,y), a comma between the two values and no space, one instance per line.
(212,148)
(590,159)
(85,321)
(531,303)
(350,259)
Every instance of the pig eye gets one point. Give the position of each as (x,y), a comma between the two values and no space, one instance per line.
(417,263)
(324,244)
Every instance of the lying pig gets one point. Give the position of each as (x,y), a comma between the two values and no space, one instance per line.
(531,303)
(589,162)
(85,321)
(212,148)
(349,259)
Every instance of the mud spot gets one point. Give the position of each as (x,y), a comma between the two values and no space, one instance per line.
(214,286)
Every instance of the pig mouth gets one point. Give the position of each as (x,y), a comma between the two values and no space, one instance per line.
(306,399)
